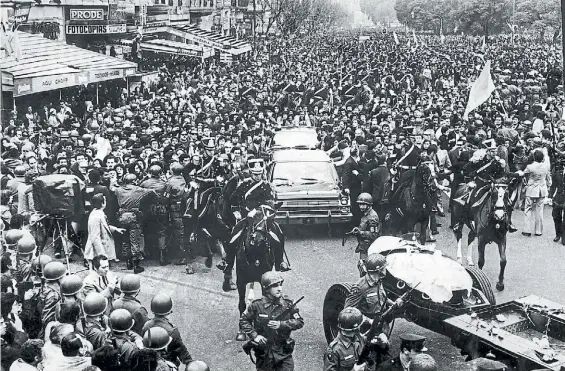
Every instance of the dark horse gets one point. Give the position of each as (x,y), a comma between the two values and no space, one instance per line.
(259,249)
(208,223)
(487,219)
(408,206)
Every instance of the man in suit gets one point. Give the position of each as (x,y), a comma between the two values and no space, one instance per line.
(352,185)
(410,346)
(376,185)
(101,280)
(558,194)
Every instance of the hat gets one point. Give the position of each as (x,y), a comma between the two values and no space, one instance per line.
(490,365)
(414,341)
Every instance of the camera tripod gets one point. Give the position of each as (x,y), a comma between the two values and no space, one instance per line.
(60,234)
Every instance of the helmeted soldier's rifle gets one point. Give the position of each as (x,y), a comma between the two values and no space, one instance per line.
(376,326)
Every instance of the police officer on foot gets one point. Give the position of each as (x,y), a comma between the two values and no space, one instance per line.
(344,351)
(162,307)
(130,286)
(274,344)
(369,227)
(96,330)
(410,346)
(123,338)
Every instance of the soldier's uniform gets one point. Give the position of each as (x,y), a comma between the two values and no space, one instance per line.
(369,227)
(95,332)
(207,173)
(24,271)
(138,312)
(130,216)
(156,223)
(177,349)
(164,365)
(50,301)
(125,343)
(277,354)
(177,192)
(409,159)
(368,296)
(251,194)
(342,353)
(392,365)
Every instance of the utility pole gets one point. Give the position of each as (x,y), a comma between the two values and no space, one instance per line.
(562,42)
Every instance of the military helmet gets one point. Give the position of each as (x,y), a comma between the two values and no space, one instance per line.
(26,244)
(271,278)
(54,271)
(349,319)
(375,262)
(12,237)
(365,198)
(130,284)
(423,362)
(161,304)
(94,304)
(176,168)
(197,366)
(156,338)
(155,170)
(39,263)
(71,284)
(121,320)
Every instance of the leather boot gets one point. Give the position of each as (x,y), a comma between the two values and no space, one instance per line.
(163,258)
(228,284)
(136,267)
(129,264)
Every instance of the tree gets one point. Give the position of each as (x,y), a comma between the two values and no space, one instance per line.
(540,16)
(379,11)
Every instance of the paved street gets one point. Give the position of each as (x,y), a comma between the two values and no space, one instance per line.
(208,317)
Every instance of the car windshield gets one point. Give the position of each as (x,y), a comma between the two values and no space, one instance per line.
(303,172)
(293,139)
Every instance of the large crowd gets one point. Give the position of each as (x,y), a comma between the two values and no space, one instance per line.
(140,154)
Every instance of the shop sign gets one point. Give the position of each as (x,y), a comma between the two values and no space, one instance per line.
(102,75)
(87,15)
(75,29)
(43,83)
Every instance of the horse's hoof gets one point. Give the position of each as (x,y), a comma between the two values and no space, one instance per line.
(228,285)
(460,260)
(189,269)
(500,286)
(240,337)
(222,265)
(208,262)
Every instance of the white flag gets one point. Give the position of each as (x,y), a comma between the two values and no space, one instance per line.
(480,91)
(415,39)
(395,37)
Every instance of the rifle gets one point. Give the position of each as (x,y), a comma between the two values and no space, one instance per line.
(253,346)
(376,326)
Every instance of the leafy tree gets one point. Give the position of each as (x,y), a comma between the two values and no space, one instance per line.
(540,16)
(379,10)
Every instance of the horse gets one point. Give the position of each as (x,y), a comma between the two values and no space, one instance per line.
(259,249)
(209,225)
(407,206)
(489,223)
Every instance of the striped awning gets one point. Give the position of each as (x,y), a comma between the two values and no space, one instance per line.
(227,44)
(41,64)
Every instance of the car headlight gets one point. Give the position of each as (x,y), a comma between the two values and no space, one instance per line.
(343,199)
(344,210)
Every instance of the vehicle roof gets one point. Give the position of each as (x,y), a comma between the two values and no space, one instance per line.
(297,155)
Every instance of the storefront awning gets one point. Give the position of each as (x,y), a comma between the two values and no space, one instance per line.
(226,44)
(45,65)
(173,47)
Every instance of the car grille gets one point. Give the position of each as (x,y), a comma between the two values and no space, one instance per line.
(305,203)
(312,207)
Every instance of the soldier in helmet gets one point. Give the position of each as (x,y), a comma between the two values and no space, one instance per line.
(132,199)
(369,227)
(368,294)
(162,307)
(275,346)
(130,286)
(156,223)
(95,328)
(158,339)
(122,337)
(71,290)
(51,293)
(344,351)
(177,192)
(25,248)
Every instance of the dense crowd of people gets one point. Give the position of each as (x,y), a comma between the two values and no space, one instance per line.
(379,107)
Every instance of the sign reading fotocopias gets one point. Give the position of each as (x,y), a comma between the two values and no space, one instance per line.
(84,29)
